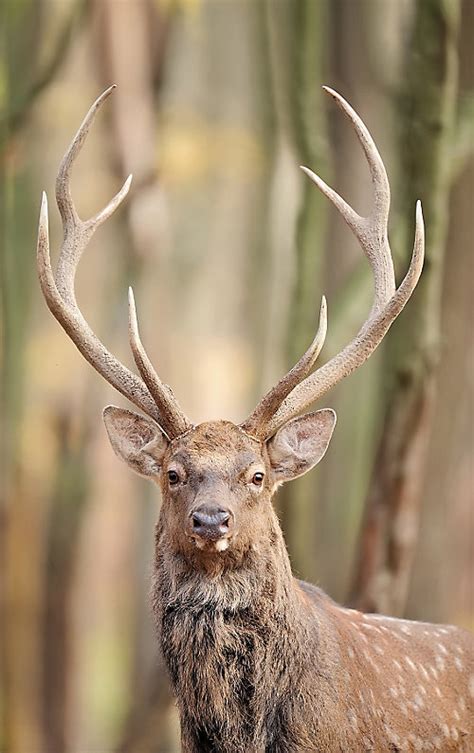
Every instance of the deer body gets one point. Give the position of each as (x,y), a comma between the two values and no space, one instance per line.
(300,674)
(259,661)
(262,662)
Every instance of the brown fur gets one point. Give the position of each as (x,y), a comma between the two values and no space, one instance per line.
(263,663)
(260,662)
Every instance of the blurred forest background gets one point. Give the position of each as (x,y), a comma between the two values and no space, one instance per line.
(229,248)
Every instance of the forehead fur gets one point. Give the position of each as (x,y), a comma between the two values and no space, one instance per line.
(216,439)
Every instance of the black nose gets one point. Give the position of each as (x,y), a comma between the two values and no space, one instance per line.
(210,522)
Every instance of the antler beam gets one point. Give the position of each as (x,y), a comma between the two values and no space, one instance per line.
(372,234)
(58,290)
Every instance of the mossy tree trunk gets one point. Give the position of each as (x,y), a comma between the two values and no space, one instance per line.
(298,62)
(427,114)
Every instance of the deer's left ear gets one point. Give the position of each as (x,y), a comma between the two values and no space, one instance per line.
(136,439)
(300,444)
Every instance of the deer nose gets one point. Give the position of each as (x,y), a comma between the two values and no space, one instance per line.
(210,523)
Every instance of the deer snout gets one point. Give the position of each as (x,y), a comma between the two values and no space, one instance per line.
(211,523)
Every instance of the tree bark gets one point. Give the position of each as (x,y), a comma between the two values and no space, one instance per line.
(427,107)
(298,54)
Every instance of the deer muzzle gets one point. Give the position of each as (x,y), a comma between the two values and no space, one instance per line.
(210,523)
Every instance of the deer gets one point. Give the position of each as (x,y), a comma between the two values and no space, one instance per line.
(259,661)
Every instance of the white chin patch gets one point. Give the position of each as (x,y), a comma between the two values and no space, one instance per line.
(221,545)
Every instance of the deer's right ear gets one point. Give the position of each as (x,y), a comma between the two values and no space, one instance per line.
(135,439)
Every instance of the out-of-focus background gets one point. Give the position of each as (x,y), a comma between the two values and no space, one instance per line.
(229,248)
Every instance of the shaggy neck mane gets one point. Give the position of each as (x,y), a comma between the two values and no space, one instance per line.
(224,635)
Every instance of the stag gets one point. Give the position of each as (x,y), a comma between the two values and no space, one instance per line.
(259,661)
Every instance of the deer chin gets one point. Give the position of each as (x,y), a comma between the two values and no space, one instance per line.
(211,545)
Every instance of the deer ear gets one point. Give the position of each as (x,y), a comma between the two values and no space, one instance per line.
(135,439)
(300,444)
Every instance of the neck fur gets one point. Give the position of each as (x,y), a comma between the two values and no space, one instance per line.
(222,635)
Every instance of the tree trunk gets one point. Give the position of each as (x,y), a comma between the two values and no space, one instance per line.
(427,106)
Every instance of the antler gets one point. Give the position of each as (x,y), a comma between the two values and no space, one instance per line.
(58,291)
(371,233)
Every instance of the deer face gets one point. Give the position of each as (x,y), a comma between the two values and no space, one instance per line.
(217,481)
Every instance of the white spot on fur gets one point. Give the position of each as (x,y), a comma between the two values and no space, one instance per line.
(371,662)
(221,545)
(470,686)
(352,717)
(458,663)
(374,628)
(392,736)
(415,741)
(424,672)
(410,663)
(419,700)
(446,731)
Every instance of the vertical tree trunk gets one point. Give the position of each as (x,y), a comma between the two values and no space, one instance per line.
(20,528)
(298,69)
(448,519)
(427,106)
(69,497)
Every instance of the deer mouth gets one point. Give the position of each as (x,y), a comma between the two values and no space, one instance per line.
(212,543)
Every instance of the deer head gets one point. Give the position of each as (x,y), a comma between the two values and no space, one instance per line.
(218,478)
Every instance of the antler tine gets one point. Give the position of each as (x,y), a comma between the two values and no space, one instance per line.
(376,166)
(63,191)
(372,234)
(58,289)
(173,420)
(256,423)
(371,231)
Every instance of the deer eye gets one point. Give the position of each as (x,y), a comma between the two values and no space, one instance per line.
(173,478)
(257,478)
